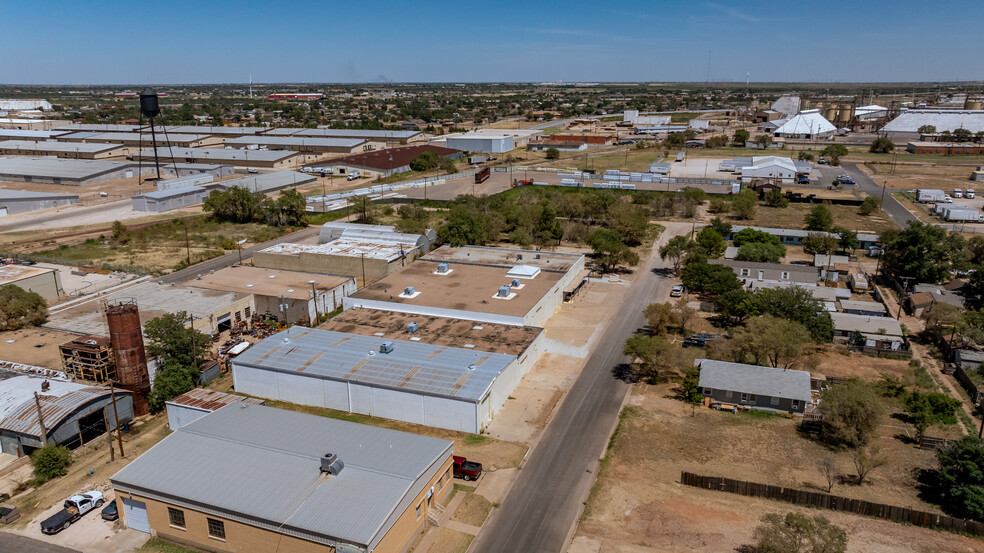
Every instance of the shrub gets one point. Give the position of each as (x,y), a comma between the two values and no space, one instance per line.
(553,153)
(51,461)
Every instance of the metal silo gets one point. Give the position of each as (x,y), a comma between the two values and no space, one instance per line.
(973,103)
(830,112)
(128,350)
(845,114)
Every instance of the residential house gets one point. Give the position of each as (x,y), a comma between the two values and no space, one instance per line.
(749,271)
(884,333)
(762,388)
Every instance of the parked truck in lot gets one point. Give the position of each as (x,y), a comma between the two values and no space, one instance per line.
(483,175)
(72,510)
(465,469)
(928,195)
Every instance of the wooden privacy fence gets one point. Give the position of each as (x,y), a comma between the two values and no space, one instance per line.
(833,502)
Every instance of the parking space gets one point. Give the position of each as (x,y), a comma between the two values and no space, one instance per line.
(89,534)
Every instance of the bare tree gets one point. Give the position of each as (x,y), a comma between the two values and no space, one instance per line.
(685,315)
(866,459)
(828,469)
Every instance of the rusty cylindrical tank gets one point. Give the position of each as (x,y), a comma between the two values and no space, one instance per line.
(128,350)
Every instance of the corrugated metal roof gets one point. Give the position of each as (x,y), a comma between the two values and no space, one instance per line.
(19,413)
(55,146)
(297,141)
(413,366)
(262,465)
(59,168)
(211,400)
(28,195)
(217,154)
(266,182)
(171,193)
(344,133)
(867,324)
(863,306)
(195,129)
(943,119)
(754,379)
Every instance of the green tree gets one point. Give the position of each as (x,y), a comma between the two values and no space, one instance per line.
(170,382)
(851,412)
(960,478)
(701,276)
(820,218)
(547,228)
(797,533)
(761,252)
(722,227)
(654,354)
(796,303)
(469,226)
(924,252)
(719,141)
(171,338)
(769,341)
(848,239)
(553,153)
(610,250)
(711,242)
(743,204)
(413,219)
(928,409)
(737,305)
(927,129)
(426,160)
(691,194)
(741,135)
(834,153)
(869,206)
(819,242)
(764,140)
(20,308)
(660,317)
(805,156)
(287,210)
(120,233)
(237,205)
(521,238)
(775,198)
(690,391)
(881,145)
(962,135)
(50,461)
(866,460)
(749,235)
(674,250)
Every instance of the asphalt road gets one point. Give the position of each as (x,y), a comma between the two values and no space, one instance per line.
(230,259)
(543,504)
(12,543)
(890,205)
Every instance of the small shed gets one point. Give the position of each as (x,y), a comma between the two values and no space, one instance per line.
(199,402)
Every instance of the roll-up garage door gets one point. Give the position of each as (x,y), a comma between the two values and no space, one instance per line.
(136,514)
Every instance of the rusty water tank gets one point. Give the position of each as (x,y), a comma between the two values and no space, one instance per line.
(128,351)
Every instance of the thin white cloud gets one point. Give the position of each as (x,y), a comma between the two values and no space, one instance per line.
(737,14)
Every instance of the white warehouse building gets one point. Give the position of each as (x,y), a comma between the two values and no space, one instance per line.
(479,142)
(456,388)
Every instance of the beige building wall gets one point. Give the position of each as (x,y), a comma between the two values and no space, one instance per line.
(48,284)
(375,269)
(243,538)
(209,323)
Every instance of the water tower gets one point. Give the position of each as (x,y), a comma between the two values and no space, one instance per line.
(128,350)
(150,108)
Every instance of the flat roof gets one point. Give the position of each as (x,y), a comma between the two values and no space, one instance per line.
(153,300)
(145,135)
(219,154)
(204,399)
(297,141)
(754,379)
(457,373)
(55,146)
(100,127)
(345,248)
(344,133)
(267,282)
(391,158)
(171,193)
(10,274)
(864,305)
(505,257)
(29,195)
(265,182)
(277,483)
(14,134)
(866,324)
(211,130)
(466,288)
(443,331)
(59,168)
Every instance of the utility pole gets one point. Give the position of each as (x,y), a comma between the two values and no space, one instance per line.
(109,438)
(882,201)
(364,267)
(187,244)
(194,347)
(314,296)
(44,431)
(116,415)
(905,294)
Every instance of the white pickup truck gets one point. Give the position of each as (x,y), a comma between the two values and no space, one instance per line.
(72,510)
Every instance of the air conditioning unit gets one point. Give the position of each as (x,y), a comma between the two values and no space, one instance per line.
(504,291)
(444,268)
(331,464)
(515,283)
(408,291)
(412,327)
(386,347)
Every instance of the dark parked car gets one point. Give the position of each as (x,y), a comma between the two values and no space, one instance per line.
(465,469)
(698,340)
(109,512)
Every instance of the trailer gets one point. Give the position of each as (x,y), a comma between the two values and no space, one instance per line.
(961,214)
(681,156)
(475,160)
(928,195)
(483,175)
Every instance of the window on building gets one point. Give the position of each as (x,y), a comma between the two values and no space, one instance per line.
(746,272)
(752,398)
(246,312)
(176,517)
(418,509)
(785,275)
(796,404)
(216,529)
(728,394)
(239,317)
(708,391)
(774,400)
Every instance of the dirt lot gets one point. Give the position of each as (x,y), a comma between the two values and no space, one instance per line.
(840,364)
(793,217)
(907,177)
(639,503)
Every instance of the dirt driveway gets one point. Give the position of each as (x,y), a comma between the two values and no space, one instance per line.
(90,534)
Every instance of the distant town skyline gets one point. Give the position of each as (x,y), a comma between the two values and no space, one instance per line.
(77,43)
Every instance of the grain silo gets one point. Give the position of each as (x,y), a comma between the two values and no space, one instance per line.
(830,112)
(845,114)
(126,337)
(973,103)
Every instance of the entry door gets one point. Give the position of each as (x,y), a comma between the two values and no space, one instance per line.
(136,514)
(744,398)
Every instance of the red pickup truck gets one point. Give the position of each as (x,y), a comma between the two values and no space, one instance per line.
(465,469)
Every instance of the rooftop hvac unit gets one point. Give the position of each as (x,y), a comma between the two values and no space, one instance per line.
(412,327)
(515,283)
(519,257)
(386,347)
(331,464)
(408,291)
(503,291)
(443,268)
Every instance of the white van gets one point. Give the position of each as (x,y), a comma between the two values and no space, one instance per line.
(957,193)
(969,193)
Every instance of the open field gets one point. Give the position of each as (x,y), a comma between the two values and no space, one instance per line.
(907,177)
(637,503)
(793,217)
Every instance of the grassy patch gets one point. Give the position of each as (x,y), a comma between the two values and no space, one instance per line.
(473,510)
(628,413)
(476,439)
(157,545)
(794,216)
(451,541)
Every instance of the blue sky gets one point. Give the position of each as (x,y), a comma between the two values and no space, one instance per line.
(206,41)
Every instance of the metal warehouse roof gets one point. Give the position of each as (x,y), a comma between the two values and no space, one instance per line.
(297,141)
(265,182)
(754,379)
(15,134)
(195,129)
(205,399)
(458,373)
(806,122)
(261,466)
(866,324)
(28,195)
(59,168)
(55,146)
(171,193)
(345,248)
(100,127)
(344,133)
(218,154)
(800,233)
(942,119)
(145,135)
(19,412)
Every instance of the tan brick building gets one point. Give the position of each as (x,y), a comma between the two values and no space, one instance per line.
(250,478)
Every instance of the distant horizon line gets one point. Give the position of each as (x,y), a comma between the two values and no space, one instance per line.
(560,82)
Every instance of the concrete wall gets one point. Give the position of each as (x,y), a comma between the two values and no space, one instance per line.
(48,284)
(515,320)
(209,323)
(374,269)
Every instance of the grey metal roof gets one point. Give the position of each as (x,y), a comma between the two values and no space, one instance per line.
(866,324)
(19,412)
(100,127)
(943,119)
(754,379)
(865,236)
(171,193)
(261,465)
(146,136)
(805,270)
(195,129)
(55,146)
(266,182)
(297,141)
(59,168)
(28,195)
(343,133)
(15,134)
(412,366)
(872,306)
(217,154)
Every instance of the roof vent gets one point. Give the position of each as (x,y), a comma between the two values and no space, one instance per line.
(331,464)
(45,386)
(443,268)
(472,367)
(519,257)
(537,256)
(408,291)
(412,327)
(514,283)
(503,291)
(386,347)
